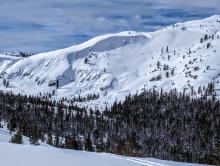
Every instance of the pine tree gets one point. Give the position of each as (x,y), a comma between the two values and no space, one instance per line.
(71,143)
(172,72)
(206,37)
(49,139)
(201,40)
(88,144)
(167,49)
(5,83)
(17,138)
(34,140)
(33,136)
(57,84)
(208,45)
(158,64)
(167,74)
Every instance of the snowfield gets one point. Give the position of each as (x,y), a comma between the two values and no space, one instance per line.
(44,155)
(27,155)
(5,137)
(182,56)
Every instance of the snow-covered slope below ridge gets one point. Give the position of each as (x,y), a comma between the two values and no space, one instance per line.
(115,65)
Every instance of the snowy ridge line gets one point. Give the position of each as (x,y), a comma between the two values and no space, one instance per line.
(183,56)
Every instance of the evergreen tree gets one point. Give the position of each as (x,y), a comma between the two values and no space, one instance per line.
(167,74)
(88,144)
(49,139)
(17,138)
(165,125)
(167,49)
(34,136)
(57,84)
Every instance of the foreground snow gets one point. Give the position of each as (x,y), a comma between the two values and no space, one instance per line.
(5,136)
(45,155)
(27,155)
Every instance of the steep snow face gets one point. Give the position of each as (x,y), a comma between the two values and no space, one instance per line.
(183,56)
(39,72)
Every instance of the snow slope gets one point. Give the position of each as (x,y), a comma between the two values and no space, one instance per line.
(5,137)
(115,65)
(27,155)
(7,61)
(44,155)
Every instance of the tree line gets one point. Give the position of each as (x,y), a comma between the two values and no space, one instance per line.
(171,126)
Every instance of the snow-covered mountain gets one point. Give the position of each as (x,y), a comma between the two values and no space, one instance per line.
(183,56)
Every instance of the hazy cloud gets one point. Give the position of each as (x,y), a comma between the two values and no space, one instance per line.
(43,25)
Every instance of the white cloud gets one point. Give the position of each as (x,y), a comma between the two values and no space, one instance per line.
(50,24)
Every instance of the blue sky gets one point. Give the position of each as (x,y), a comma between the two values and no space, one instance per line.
(43,25)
